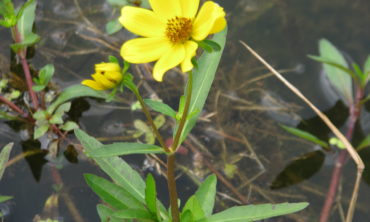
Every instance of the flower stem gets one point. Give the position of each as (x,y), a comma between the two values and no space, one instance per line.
(135,90)
(171,183)
(171,163)
(189,89)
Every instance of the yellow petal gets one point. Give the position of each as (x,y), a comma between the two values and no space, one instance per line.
(166,9)
(219,25)
(173,57)
(103,81)
(92,84)
(107,67)
(190,51)
(142,21)
(189,8)
(143,50)
(113,76)
(206,19)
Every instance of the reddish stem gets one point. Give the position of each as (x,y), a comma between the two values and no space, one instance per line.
(13,106)
(22,54)
(354,114)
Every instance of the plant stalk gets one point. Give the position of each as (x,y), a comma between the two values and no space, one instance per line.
(184,117)
(355,112)
(14,107)
(171,183)
(22,54)
(171,164)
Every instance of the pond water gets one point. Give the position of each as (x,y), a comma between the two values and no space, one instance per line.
(240,128)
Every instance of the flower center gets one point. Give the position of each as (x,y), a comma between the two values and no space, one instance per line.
(179,29)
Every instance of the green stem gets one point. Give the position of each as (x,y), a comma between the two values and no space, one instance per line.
(135,90)
(171,183)
(171,163)
(184,117)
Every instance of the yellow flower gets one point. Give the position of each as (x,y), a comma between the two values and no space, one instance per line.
(107,76)
(170,32)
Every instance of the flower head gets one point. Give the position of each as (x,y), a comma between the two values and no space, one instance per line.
(106,76)
(169,32)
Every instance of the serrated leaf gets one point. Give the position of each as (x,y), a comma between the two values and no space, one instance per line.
(73,92)
(113,26)
(340,79)
(203,78)
(305,135)
(206,194)
(124,148)
(111,193)
(160,107)
(255,212)
(194,207)
(4,157)
(40,131)
(151,195)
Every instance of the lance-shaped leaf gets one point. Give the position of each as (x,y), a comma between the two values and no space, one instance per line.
(151,195)
(4,157)
(254,212)
(206,194)
(124,148)
(305,135)
(203,77)
(160,107)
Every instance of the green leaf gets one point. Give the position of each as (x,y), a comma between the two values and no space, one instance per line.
(206,194)
(338,77)
(186,216)
(73,92)
(121,173)
(160,107)
(255,212)
(105,213)
(151,195)
(214,45)
(194,207)
(364,143)
(113,26)
(38,88)
(26,18)
(4,157)
(159,121)
(69,125)
(134,214)
(56,119)
(112,194)
(46,73)
(124,148)
(113,59)
(5,198)
(29,40)
(305,135)
(40,130)
(367,66)
(203,78)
